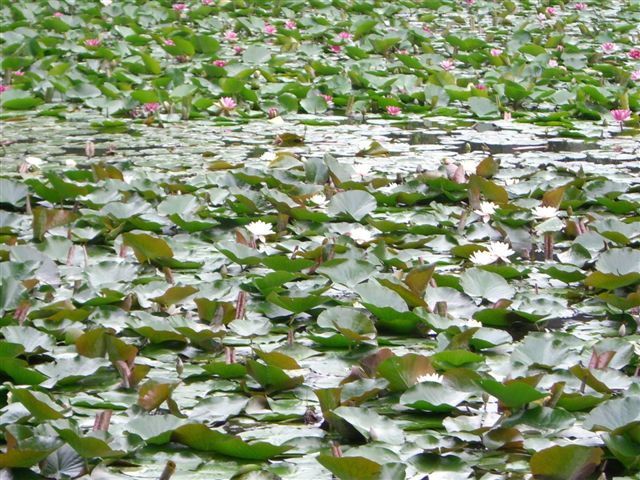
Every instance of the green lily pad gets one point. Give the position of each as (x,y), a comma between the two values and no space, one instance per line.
(201,438)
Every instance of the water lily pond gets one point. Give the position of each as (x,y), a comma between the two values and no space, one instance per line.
(315,240)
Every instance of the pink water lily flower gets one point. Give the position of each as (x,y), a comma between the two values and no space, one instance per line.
(207,2)
(621,115)
(180,7)
(345,35)
(219,63)
(290,25)
(92,42)
(635,76)
(447,65)
(634,53)
(169,43)
(230,35)
(335,48)
(495,52)
(393,110)
(18,73)
(269,29)
(481,86)
(238,49)
(4,88)
(227,103)
(581,6)
(552,63)
(426,28)
(551,11)
(328,99)
(151,107)
(609,47)
(58,14)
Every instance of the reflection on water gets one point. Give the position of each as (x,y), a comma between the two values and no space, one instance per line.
(412,143)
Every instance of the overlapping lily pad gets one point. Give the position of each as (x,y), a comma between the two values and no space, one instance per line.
(304,239)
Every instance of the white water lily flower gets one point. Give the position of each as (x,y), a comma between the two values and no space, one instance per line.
(501,250)
(260,229)
(469,166)
(319,199)
(486,210)
(430,377)
(361,235)
(482,257)
(34,161)
(69,162)
(268,156)
(545,212)
(361,169)
(388,188)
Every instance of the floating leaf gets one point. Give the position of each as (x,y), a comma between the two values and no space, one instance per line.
(355,203)
(570,462)
(147,247)
(272,378)
(490,286)
(513,394)
(371,425)
(201,438)
(433,397)
(351,468)
(403,372)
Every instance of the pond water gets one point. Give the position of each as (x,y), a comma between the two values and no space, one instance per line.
(427,265)
(181,155)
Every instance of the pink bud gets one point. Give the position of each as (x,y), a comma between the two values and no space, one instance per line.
(219,63)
